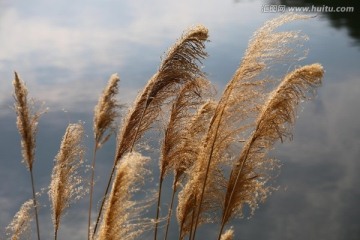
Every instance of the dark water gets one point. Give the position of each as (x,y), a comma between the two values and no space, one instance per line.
(66,50)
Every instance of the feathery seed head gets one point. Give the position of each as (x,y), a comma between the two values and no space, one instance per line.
(105,111)
(27,121)
(66,183)
(21,221)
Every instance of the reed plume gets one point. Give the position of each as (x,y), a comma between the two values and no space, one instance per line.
(179,66)
(66,183)
(121,212)
(27,122)
(172,149)
(247,183)
(105,114)
(239,104)
(105,111)
(191,135)
(228,235)
(21,221)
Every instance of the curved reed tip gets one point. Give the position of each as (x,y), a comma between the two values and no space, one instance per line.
(105,111)
(199,29)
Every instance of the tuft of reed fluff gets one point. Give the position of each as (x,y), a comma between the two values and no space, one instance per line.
(27,122)
(20,225)
(228,235)
(247,183)
(66,183)
(241,102)
(121,212)
(105,113)
(179,66)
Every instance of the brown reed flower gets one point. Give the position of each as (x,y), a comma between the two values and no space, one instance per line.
(179,66)
(121,212)
(20,225)
(105,111)
(66,183)
(247,183)
(27,122)
(239,105)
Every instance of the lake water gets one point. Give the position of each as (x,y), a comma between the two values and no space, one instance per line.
(65,51)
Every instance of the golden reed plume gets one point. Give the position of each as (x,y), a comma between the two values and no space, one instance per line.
(179,66)
(248,176)
(66,183)
(121,212)
(173,148)
(20,225)
(105,113)
(228,235)
(232,121)
(27,122)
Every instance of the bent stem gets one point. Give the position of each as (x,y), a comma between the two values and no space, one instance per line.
(35,204)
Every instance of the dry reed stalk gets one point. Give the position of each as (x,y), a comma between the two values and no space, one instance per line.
(240,103)
(179,66)
(27,121)
(66,183)
(247,183)
(105,113)
(172,148)
(21,221)
(121,212)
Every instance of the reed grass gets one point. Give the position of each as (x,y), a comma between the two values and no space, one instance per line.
(20,225)
(121,212)
(215,151)
(105,113)
(66,183)
(179,66)
(27,122)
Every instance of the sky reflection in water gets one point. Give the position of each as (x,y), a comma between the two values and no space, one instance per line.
(66,54)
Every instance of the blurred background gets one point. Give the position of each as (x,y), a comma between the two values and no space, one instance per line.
(65,51)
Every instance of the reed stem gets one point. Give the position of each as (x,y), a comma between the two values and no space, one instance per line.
(170,209)
(92,186)
(35,204)
(158,207)
(104,198)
